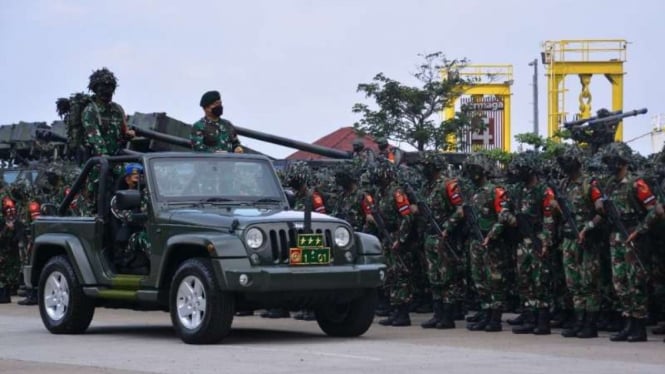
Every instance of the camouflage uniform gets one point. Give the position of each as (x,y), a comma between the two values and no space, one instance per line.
(636,206)
(395,210)
(444,199)
(534,209)
(213,136)
(10,263)
(105,127)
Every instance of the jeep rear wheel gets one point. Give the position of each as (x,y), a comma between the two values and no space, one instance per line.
(63,306)
(200,312)
(348,319)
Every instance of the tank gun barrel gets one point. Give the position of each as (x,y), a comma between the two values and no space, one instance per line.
(48,135)
(323,151)
(166,138)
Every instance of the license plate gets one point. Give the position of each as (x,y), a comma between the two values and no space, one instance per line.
(309,256)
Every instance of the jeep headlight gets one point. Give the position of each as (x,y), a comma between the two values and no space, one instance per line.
(342,236)
(254,238)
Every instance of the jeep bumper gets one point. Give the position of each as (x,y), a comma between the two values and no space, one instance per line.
(296,278)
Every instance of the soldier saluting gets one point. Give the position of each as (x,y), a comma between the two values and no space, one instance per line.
(212,133)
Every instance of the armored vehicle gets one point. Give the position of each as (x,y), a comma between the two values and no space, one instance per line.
(222,237)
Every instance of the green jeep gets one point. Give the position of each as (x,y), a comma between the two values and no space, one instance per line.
(222,238)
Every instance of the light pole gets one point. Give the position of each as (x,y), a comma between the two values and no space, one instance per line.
(534,63)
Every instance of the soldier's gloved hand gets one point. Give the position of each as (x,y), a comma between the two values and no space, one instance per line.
(238,149)
(581,236)
(486,241)
(632,236)
(130,134)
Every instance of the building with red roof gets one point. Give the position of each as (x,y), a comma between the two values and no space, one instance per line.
(341,139)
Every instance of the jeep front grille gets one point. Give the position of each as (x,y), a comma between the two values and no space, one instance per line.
(282,240)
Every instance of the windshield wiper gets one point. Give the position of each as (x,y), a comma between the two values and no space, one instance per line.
(267,200)
(216,200)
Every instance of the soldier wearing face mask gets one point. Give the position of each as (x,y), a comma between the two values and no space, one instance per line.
(213,133)
(103,120)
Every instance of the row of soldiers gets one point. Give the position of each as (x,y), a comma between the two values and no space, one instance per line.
(21,202)
(572,233)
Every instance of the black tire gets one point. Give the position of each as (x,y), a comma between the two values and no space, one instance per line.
(219,309)
(78,308)
(348,319)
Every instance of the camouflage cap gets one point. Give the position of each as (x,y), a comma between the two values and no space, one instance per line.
(434,160)
(102,77)
(569,152)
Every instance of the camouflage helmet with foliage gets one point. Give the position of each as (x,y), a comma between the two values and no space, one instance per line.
(567,155)
(382,171)
(617,152)
(478,162)
(298,174)
(433,161)
(102,78)
(524,163)
(346,174)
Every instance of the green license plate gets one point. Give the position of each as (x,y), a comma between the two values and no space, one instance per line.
(309,256)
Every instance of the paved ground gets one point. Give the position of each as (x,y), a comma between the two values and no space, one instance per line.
(122,341)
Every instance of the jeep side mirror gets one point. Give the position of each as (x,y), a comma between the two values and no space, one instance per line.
(290,197)
(128,199)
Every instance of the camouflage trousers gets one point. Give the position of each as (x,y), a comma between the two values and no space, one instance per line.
(658,273)
(487,265)
(443,271)
(628,278)
(10,268)
(399,282)
(581,265)
(533,275)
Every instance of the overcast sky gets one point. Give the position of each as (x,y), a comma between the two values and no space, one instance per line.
(292,67)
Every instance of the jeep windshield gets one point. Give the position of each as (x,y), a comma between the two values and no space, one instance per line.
(215,180)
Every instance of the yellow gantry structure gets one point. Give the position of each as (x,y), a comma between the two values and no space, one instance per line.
(584,58)
(485,80)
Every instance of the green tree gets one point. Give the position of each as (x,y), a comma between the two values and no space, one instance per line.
(410,114)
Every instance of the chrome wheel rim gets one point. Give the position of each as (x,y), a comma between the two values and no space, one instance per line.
(56,296)
(191,302)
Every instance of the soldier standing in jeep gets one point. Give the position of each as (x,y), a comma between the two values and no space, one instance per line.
(213,133)
(104,120)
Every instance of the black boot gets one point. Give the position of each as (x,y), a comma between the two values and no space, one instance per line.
(622,336)
(437,307)
(615,323)
(476,317)
(4,296)
(590,329)
(389,321)
(495,321)
(660,330)
(639,331)
(528,323)
(383,306)
(426,305)
(459,311)
(30,298)
(577,326)
(517,321)
(447,318)
(560,318)
(543,326)
(402,318)
(480,325)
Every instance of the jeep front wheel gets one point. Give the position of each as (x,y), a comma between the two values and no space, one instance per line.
(348,319)
(63,306)
(200,312)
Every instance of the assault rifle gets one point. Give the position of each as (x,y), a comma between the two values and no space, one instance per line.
(471,219)
(614,218)
(429,217)
(564,208)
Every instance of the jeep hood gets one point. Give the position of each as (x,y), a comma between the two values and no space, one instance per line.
(244,216)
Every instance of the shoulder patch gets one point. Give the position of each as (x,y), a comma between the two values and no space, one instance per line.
(402,202)
(644,193)
(453,192)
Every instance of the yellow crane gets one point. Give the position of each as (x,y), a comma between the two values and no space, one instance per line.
(584,58)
